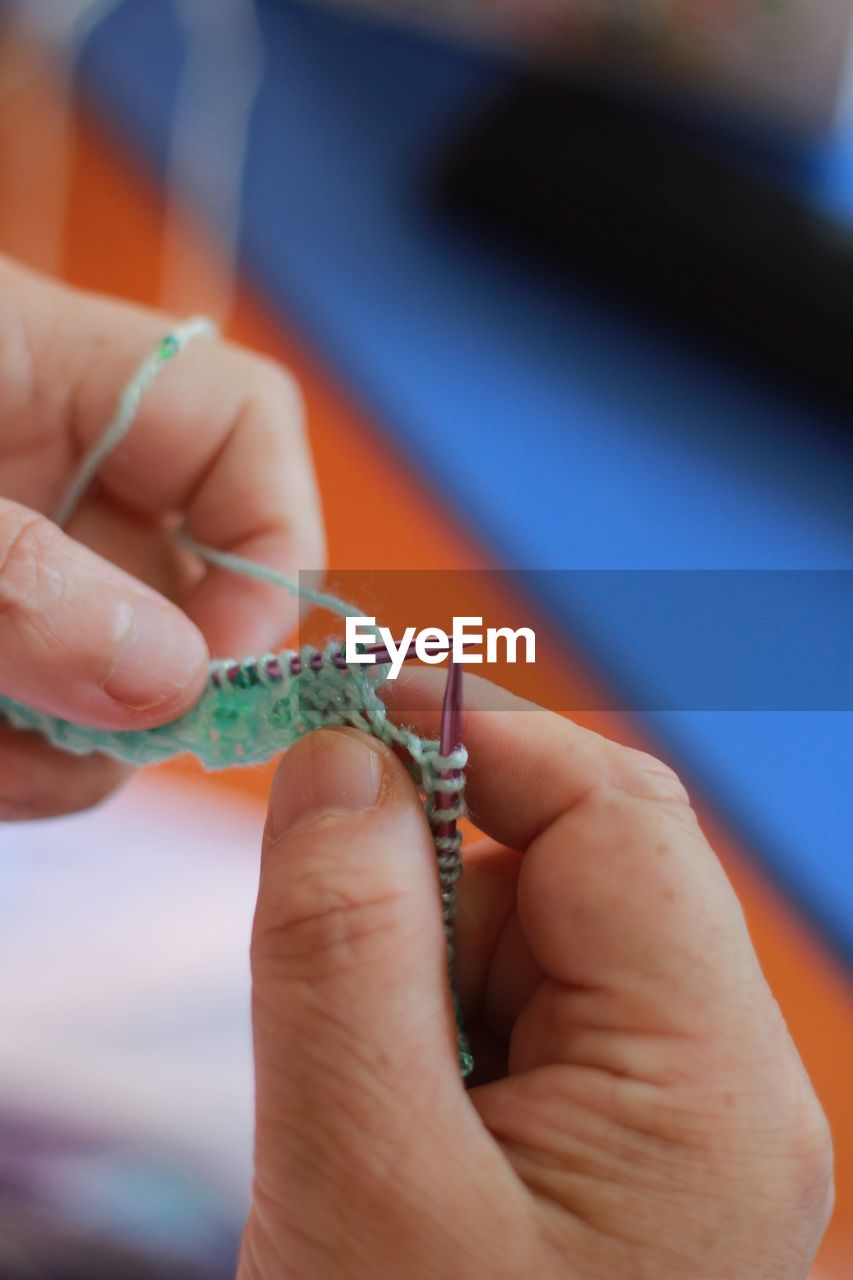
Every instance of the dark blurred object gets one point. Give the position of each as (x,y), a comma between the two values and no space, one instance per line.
(77,1207)
(772,60)
(34,1247)
(624,194)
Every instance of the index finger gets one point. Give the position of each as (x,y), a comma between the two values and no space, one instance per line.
(618,890)
(526,765)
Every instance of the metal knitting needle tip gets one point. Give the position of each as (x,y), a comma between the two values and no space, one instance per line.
(450,733)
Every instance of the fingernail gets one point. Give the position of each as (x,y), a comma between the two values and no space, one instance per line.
(159,654)
(330,772)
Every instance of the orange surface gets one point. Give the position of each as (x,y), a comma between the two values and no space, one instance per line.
(112,235)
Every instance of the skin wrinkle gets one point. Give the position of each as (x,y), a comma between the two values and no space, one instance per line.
(367,1159)
(369,1059)
(668,1129)
(597,1145)
(552,1185)
(321,953)
(621,1055)
(283,1140)
(264,1209)
(548,1088)
(600,1195)
(569,1041)
(574,1210)
(408,1197)
(34,592)
(344,1048)
(15,554)
(310,1008)
(330,900)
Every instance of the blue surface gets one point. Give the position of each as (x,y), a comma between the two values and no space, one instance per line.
(578,438)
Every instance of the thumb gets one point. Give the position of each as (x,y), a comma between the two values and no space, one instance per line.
(83,640)
(355,1045)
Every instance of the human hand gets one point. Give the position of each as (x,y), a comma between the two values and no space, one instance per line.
(640,1112)
(218,446)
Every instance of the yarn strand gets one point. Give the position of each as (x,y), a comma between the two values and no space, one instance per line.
(128,406)
(263,573)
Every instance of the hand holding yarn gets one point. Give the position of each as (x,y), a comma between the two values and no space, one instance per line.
(111,622)
(638,1109)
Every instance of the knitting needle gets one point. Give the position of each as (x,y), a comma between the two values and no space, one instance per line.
(450,740)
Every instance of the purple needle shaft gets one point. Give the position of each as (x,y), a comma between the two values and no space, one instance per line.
(450,739)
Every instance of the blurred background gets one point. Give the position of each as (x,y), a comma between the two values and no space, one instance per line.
(568,286)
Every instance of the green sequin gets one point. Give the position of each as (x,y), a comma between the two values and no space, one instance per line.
(225,715)
(168,347)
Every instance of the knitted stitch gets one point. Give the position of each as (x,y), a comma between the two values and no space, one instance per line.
(253,709)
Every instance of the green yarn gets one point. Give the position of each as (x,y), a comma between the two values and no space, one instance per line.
(125,415)
(252,710)
(248,716)
(263,573)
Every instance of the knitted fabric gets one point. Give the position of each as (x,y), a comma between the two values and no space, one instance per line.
(253,709)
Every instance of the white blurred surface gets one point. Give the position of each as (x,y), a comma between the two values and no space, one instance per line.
(124,975)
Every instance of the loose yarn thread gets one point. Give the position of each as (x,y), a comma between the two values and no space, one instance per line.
(128,406)
(252,709)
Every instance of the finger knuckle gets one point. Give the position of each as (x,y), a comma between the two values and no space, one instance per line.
(617,819)
(27,551)
(276,386)
(643,775)
(605,808)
